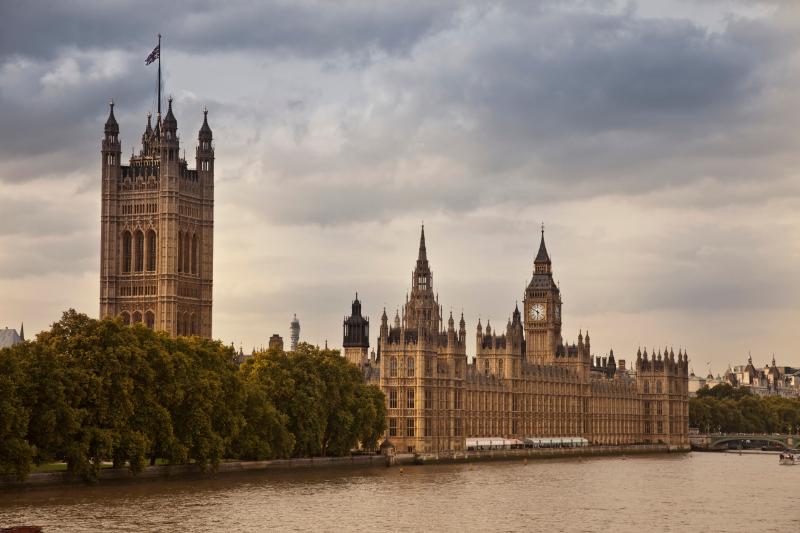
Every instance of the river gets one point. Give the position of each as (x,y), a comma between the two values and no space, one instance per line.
(684,492)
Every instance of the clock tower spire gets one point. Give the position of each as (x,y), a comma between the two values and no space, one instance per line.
(542,304)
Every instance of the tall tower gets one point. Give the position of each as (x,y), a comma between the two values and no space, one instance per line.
(157,230)
(542,305)
(294,327)
(356,335)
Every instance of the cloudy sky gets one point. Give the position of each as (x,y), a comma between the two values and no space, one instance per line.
(657,140)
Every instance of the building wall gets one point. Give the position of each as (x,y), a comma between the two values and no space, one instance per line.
(436,398)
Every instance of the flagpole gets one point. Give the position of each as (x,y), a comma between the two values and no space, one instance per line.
(159,74)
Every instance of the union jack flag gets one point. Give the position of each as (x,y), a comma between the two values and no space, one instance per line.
(155,54)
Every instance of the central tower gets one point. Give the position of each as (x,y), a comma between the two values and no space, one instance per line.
(542,311)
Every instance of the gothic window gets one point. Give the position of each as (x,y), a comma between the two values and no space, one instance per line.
(486,367)
(392,398)
(646,387)
(410,399)
(392,427)
(428,366)
(194,254)
(428,399)
(409,427)
(500,367)
(126,318)
(192,324)
(186,260)
(137,317)
(139,259)
(180,251)
(126,252)
(457,427)
(150,319)
(658,386)
(393,367)
(428,427)
(410,367)
(151,250)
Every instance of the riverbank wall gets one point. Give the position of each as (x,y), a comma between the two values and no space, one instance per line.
(43,479)
(544,453)
(37,479)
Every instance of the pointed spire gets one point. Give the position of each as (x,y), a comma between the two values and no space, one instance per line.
(423,253)
(461,323)
(170,123)
(22,337)
(112,128)
(542,256)
(205,131)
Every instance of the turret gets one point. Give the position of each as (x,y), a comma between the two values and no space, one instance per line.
(462,330)
(384,325)
(205,151)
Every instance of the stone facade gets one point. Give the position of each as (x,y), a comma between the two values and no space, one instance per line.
(523,382)
(157,230)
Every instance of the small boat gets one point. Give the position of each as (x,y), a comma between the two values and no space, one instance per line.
(789,459)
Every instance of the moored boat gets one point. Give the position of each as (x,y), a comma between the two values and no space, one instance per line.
(789,459)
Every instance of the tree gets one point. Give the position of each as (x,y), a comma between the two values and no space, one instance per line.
(15,451)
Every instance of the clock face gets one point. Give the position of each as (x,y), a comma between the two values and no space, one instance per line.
(537,312)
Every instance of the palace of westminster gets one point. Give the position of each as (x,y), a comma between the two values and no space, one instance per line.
(156,268)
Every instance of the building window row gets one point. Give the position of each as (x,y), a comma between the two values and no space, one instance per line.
(188,253)
(138,252)
(148,318)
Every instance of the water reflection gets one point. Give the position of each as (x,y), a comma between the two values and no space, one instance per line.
(711,492)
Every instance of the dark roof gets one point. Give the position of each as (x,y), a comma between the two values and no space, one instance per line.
(111,122)
(169,121)
(205,130)
(542,256)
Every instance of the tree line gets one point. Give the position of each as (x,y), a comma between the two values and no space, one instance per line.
(728,409)
(89,392)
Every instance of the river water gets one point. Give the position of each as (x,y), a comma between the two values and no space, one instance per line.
(685,492)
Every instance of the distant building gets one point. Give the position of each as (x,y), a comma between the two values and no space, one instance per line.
(10,337)
(276,342)
(295,329)
(771,380)
(356,336)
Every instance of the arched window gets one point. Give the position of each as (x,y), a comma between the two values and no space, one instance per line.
(486,367)
(150,319)
(193,324)
(126,252)
(180,253)
(194,254)
(500,367)
(137,317)
(139,260)
(151,250)
(646,387)
(410,367)
(186,261)
(393,367)
(126,318)
(658,386)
